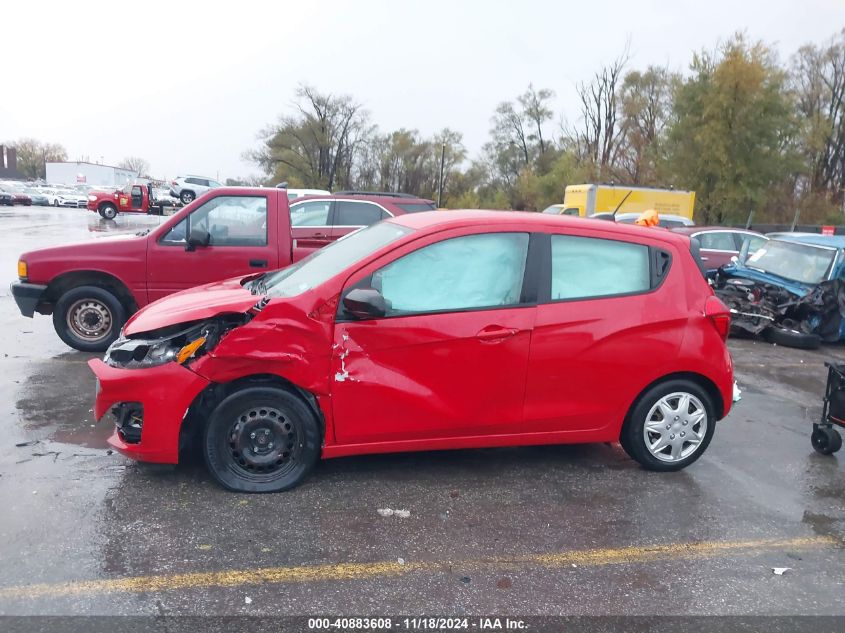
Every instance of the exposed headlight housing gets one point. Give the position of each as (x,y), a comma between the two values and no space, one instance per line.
(180,343)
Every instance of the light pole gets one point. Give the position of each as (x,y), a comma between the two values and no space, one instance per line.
(440,187)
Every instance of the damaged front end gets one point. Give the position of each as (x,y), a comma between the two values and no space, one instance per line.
(758,305)
(145,384)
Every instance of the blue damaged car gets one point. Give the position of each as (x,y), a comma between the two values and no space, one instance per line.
(791,290)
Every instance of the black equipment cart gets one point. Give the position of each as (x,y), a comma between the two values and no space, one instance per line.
(826,439)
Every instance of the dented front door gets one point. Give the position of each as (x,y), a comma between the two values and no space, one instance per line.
(429,376)
(449,357)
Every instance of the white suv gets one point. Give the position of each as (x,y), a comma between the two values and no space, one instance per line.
(188,188)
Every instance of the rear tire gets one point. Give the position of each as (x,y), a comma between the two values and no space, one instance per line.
(826,440)
(792,338)
(187,197)
(108,211)
(88,318)
(645,436)
(261,439)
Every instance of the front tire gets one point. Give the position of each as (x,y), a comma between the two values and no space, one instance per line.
(108,211)
(88,318)
(670,427)
(261,439)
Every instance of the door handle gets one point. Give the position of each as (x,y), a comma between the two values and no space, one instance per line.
(704,259)
(258,263)
(495,333)
(320,235)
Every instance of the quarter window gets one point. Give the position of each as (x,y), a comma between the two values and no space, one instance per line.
(349,213)
(315,213)
(229,220)
(462,273)
(585,267)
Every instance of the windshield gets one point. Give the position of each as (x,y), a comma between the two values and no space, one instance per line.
(325,263)
(798,262)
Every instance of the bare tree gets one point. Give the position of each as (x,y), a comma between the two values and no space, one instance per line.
(536,111)
(599,137)
(818,80)
(315,146)
(136,164)
(646,109)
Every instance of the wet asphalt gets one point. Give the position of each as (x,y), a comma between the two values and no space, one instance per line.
(544,530)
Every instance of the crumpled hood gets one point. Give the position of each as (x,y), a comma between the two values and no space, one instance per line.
(202,302)
(795,287)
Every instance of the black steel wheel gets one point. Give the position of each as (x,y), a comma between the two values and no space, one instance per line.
(261,439)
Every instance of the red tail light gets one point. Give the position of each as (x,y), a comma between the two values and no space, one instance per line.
(719,315)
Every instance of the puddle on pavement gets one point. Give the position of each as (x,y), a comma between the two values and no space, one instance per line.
(54,402)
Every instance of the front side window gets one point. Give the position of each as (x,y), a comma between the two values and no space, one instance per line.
(348,213)
(229,220)
(312,213)
(586,267)
(462,273)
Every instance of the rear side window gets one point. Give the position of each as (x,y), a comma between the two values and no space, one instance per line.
(348,213)
(586,267)
(313,213)
(717,241)
(417,207)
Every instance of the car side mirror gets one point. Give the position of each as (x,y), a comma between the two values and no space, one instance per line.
(365,303)
(197,237)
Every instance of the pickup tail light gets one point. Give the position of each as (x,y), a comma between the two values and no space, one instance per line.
(719,315)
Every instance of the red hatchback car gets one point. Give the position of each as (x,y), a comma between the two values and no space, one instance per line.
(430,331)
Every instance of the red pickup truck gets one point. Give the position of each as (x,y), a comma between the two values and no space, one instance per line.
(133,198)
(91,288)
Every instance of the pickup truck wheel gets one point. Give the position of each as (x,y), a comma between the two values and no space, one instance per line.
(261,439)
(670,427)
(88,318)
(108,211)
(187,197)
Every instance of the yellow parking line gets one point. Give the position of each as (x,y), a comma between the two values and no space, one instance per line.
(361,571)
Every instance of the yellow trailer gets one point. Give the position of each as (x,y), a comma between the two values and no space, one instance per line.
(585,200)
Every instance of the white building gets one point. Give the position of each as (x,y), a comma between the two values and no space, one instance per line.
(75,173)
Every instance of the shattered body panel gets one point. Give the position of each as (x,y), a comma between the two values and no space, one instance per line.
(165,393)
(757,305)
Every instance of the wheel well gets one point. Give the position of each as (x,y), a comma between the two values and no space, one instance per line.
(61,284)
(106,203)
(702,381)
(208,398)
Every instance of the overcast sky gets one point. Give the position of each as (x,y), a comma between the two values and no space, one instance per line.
(187,85)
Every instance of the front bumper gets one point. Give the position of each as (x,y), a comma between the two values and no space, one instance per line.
(27,296)
(165,393)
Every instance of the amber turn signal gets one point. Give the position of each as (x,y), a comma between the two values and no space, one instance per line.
(186,352)
(22,271)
